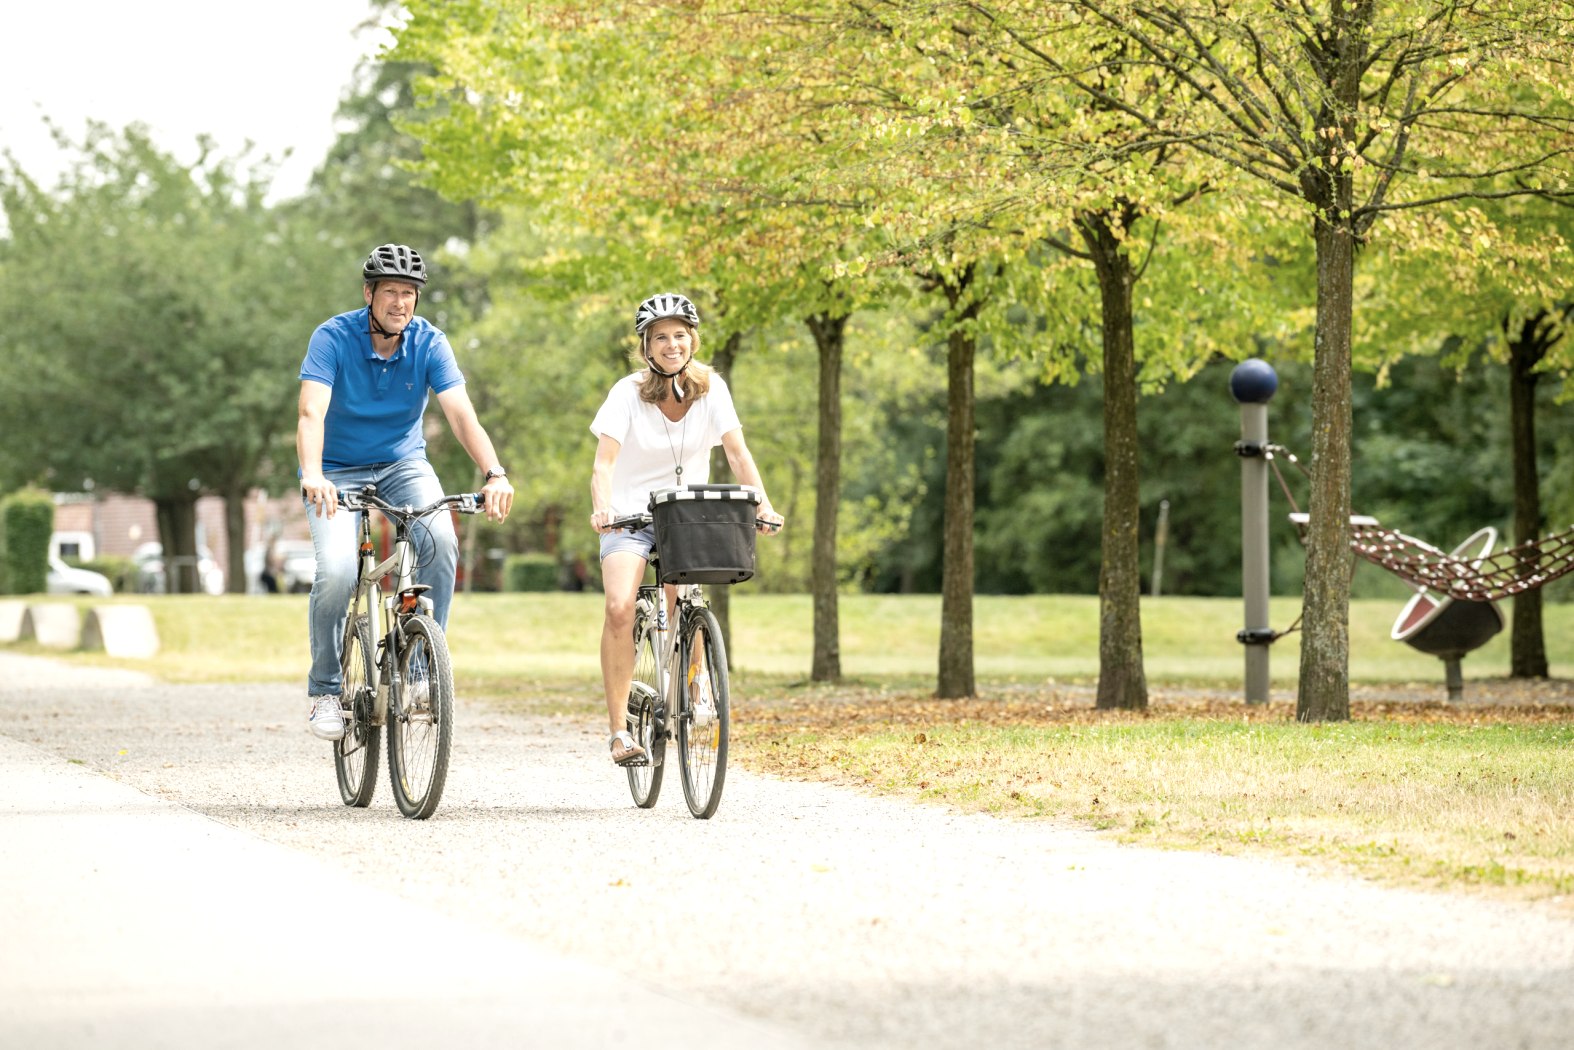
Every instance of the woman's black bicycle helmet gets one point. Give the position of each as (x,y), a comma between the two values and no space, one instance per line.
(394,262)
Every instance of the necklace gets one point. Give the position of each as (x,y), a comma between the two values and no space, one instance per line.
(683,432)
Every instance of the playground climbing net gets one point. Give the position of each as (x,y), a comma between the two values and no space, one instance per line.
(1484,579)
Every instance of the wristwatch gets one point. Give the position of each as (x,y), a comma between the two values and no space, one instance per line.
(495,472)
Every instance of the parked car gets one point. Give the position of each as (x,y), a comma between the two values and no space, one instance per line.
(67,579)
(151,578)
(294,569)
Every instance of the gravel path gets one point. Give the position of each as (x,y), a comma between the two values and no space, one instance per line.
(827,915)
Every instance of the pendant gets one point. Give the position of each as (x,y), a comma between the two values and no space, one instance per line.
(680,474)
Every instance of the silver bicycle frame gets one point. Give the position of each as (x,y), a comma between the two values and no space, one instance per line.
(667,640)
(380,610)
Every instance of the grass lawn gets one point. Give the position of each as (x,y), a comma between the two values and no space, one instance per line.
(1413,790)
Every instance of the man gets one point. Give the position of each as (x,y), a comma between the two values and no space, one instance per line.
(364,387)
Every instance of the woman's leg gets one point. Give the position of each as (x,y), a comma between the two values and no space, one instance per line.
(621,573)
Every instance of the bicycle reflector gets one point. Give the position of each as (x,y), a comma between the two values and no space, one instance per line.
(408,601)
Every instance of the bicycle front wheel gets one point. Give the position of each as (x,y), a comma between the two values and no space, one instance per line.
(355,753)
(421,719)
(705,716)
(646,720)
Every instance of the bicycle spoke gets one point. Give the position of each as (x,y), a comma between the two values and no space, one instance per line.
(644,697)
(704,722)
(355,754)
(420,729)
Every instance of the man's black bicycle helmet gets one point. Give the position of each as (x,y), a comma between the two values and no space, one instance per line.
(395,262)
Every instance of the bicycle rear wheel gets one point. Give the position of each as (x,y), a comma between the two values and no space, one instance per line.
(355,753)
(421,723)
(646,720)
(706,716)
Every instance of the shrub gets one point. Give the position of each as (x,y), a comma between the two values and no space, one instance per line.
(120,569)
(29,521)
(530,572)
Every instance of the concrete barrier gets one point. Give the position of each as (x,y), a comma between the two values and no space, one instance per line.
(11,613)
(121,630)
(57,625)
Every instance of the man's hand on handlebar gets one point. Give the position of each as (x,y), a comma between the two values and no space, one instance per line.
(498,495)
(319,492)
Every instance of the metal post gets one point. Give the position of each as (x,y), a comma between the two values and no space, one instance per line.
(1253,384)
(1160,537)
(1454,677)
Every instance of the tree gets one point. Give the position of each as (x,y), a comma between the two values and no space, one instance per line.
(572,167)
(1354,110)
(1529,341)
(1507,304)
(989,135)
(142,296)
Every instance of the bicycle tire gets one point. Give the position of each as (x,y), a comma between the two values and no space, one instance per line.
(355,753)
(702,733)
(645,719)
(421,724)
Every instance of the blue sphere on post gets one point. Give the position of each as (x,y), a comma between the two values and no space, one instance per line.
(1253,382)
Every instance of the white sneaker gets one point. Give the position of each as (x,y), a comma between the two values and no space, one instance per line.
(326,720)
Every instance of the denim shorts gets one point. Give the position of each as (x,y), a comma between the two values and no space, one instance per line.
(641,542)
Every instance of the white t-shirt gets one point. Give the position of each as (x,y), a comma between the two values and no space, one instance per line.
(652,445)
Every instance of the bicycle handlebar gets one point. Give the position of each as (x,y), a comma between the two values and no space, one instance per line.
(465,502)
(635,522)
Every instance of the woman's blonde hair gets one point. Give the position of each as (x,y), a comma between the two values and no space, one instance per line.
(655,388)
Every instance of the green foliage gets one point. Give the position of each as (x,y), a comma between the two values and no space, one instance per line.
(531,572)
(135,291)
(120,571)
(29,521)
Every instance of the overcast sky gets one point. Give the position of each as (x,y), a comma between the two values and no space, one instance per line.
(272,73)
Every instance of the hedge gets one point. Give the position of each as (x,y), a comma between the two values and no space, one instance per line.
(530,572)
(29,522)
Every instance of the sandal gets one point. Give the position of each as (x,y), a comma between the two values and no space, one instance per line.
(633,754)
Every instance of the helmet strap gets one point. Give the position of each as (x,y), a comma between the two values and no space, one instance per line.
(375,327)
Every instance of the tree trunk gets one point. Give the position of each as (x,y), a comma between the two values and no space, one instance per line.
(1122,681)
(721,594)
(177,531)
(1324,692)
(235,532)
(1328,185)
(956,574)
(829,332)
(1527,643)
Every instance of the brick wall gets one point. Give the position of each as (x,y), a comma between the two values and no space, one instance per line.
(120,524)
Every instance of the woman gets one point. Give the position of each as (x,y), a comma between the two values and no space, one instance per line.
(655,430)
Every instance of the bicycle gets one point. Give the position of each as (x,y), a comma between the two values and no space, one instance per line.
(680,666)
(408,686)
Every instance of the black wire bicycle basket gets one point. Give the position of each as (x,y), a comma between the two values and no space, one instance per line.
(705,533)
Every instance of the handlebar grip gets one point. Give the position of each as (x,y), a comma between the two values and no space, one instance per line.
(633,521)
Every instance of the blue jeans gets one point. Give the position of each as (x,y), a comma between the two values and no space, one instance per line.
(410,481)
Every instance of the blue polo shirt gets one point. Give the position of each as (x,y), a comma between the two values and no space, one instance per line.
(374,415)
